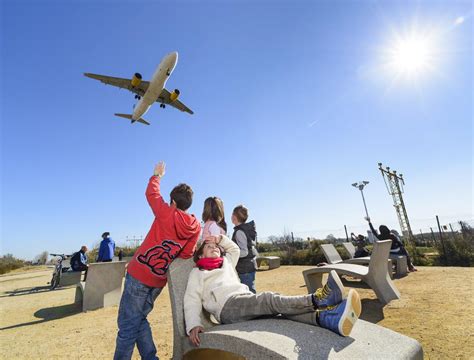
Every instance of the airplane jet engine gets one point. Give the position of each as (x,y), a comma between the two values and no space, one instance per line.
(174,95)
(136,79)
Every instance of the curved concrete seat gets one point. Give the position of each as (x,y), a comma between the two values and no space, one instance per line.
(103,285)
(279,338)
(70,278)
(272,261)
(375,275)
(400,261)
(333,257)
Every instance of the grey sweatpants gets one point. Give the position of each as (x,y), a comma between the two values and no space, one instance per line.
(243,307)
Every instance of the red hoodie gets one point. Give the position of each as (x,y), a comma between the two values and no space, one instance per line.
(174,233)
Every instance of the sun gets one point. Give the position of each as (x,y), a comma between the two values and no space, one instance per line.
(411,55)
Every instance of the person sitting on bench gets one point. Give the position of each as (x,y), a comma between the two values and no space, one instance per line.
(214,285)
(359,243)
(79,261)
(397,247)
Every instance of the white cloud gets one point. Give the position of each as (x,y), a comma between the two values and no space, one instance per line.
(459,20)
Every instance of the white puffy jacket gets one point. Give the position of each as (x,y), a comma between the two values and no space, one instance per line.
(211,288)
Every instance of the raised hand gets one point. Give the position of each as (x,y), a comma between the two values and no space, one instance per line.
(160,169)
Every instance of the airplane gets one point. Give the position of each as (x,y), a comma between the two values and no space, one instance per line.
(148,92)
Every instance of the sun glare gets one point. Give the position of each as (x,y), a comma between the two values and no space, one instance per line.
(411,54)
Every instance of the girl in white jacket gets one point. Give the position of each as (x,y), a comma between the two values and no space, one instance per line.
(214,285)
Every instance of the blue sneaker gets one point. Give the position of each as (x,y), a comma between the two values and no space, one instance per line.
(332,293)
(341,318)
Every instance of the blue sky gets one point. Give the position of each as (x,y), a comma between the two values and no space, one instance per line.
(292,104)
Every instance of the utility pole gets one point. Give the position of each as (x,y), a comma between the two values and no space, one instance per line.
(394,183)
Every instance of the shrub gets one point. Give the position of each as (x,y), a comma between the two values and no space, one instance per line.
(457,251)
(9,263)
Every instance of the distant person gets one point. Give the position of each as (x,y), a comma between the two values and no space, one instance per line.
(106,249)
(214,286)
(79,261)
(120,255)
(245,236)
(213,217)
(359,243)
(173,234)
(397,247)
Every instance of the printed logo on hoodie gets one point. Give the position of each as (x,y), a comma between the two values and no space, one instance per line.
(158,258)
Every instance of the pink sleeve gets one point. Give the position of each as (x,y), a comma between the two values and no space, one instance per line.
(215,229)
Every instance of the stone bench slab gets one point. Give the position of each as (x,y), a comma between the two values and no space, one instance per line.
(286,339)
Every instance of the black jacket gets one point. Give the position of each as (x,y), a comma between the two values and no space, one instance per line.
(247,264)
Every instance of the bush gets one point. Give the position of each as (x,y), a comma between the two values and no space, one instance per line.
(9,263)
(457,251)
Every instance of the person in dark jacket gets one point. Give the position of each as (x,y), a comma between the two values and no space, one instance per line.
(245,236)
(107,248)
(79,260)
(359,243)
(397,247)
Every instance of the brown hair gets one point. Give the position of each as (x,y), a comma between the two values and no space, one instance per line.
(200,250)
(214,210)
(241,213)
(182,195)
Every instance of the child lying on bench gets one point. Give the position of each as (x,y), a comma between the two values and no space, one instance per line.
(214,285)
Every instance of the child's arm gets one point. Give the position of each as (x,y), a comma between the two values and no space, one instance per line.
(153,194)
(231,249)
(193,301)
(241,239)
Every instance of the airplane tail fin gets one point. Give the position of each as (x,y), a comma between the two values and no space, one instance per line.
(127,116)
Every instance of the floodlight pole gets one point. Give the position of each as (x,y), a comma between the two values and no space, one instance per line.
(360,185)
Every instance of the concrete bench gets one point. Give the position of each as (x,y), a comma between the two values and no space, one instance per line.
(333,257)
(70,278)
(272,261)
(103,285)
(401,264)
(279,338)
(399,261)
(375,275)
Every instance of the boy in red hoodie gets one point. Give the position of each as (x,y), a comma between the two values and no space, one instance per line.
(174,233)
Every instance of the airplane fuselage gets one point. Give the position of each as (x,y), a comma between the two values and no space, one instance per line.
(157,83)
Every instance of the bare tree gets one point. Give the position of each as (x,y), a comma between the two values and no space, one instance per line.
(41,259)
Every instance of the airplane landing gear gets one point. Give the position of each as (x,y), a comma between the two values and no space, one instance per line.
(138,97)
(162,106)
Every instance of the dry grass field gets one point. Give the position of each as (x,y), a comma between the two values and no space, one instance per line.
(35,323)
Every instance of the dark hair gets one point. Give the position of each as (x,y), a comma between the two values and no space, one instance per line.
(384,230)
(105,234)
(182,195)
(241,213)
(214,210)
(200,250)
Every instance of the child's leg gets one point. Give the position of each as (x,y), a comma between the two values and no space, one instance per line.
(145,344)
(243,307)
(135,304)
(249,280)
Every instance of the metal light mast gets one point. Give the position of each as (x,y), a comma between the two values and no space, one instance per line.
(394,184)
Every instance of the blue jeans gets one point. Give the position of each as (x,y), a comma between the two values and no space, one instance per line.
(249,280)
(136,303)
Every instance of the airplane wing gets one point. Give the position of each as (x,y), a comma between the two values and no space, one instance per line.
(121,83)
(165,99)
